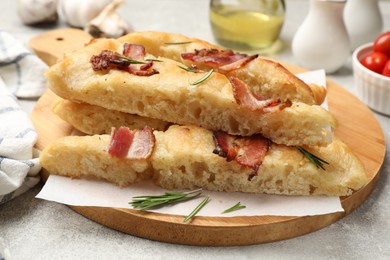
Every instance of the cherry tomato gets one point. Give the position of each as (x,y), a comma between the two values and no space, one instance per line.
(375,61)
(382,43)
(386,69)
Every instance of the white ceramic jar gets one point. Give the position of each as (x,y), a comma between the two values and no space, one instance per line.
(321,42)
(363,21)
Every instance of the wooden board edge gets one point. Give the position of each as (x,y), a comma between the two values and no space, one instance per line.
(158,229)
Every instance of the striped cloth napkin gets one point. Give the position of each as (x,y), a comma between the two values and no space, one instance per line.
(21,76)
(20,69)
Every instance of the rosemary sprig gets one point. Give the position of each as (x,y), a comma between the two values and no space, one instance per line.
(233,208)
(187,68)
(177,43)
(155,60)
(206,76)
(196,210)
(146,202)
(130,61)
(318,162)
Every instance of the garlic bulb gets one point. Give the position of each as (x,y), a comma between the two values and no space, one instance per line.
(37,11)
(108,23)
(78,13)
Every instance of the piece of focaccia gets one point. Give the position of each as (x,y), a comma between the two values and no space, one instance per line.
(169,96)
(183,158)
(92,119)
(266,78)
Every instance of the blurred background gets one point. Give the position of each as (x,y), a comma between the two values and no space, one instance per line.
(190,17)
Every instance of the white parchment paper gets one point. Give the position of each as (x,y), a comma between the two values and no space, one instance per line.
(90,192)
(82,192)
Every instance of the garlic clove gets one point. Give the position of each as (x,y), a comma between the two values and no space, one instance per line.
(37,11)
(78,13)
(108,23)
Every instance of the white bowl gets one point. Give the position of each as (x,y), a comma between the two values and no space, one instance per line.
(372,88)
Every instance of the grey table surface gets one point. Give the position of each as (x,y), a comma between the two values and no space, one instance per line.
(38,229)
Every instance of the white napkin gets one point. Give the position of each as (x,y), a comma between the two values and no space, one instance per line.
(22,73)
(19,163)
(20,69)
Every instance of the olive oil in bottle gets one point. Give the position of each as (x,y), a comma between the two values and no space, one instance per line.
(246,24)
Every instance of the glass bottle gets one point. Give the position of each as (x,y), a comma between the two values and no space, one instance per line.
(246,24)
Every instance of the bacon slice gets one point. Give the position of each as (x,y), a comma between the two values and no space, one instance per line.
(121,140)
(134,51)
(133,144)
(143,144)
(224,146)
(252,150)
(226,60)
(238,64)
(247,151)
(245,98)
(107,60)
(137,52)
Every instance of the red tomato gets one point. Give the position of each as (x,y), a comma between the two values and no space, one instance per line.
(382,43)
(386,69)
(375,61)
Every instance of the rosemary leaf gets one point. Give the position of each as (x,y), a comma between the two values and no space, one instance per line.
(187,68)
(235,207)
(196,210)
(177,43)
(318,162)
(147,202)
(130,61)
(206,76)
(155,60)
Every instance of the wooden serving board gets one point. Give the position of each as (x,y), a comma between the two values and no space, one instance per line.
(358,128)
(52,45)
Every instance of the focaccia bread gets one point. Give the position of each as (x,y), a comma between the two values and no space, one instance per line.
(92,119)
(266,78)
(183,158)
(86,156)
(284,169)
(169,96)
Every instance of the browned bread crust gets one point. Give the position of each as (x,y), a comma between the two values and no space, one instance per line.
(92,119)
